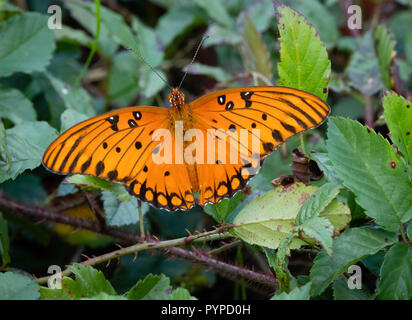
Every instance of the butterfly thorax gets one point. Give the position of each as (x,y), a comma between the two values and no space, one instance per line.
(176,99)
(179,110)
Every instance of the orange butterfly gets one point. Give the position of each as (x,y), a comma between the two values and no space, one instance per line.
(122,145)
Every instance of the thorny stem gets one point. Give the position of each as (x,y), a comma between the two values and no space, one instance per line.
(225,247)
(254,278)
(210,235)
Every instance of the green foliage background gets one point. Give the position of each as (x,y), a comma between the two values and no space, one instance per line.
(358,213)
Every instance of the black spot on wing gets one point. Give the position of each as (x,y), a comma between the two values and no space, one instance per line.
(86,165)
(277,135)
(268,146)
(99,168)
(112,175)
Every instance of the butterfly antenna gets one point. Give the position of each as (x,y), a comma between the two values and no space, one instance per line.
(193,60)
(138,55)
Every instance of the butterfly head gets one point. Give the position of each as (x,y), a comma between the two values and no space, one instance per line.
(176,98)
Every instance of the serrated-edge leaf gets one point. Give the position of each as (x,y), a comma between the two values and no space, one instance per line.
(304,62)
(396,274)
(15,106)
(318,201)
(398,115)
(378,177)
(350,247)
(14,286)
(385,52)
(120,213)
(19,37)
(320,229)
(89,280)
(152,287)
(341,291)
(299,293)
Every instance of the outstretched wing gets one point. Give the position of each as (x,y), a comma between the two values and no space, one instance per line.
(118,146)
(270,115)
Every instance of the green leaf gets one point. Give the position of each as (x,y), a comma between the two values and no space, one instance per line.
(369,166)
(105,296)
(123,78)
(14,286)
(221,210)
(217,11)
(299,293)
(268,219)
(280,264)
(351,246)
(219,35)
(89,282)
(112,27)
(71,35)
(75,98)
(147,45)
(398,115)
(15,106)
(304,62)
(181,294)
(261,13)
(26,143)
(319,229)
(405,2)
(84,13)
(341,291)
(149,82)
(348,107)
(409,230)
(100,184)
(324,163)
(385,52)
(123,213)
(255,55)
(396,274)
(321,18)
(363,68)
(27,44)
(153,287)
(318,201)
(175,21)
(215,72)
(4,153)
(71,117)
(4,241)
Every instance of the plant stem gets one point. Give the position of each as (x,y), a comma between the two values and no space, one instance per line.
(404,238)
(302,143)
(209,235)
(254,279)
(369,114)
(94,44)
(141,222)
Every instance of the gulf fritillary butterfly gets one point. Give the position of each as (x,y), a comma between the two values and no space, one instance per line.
(118,145)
